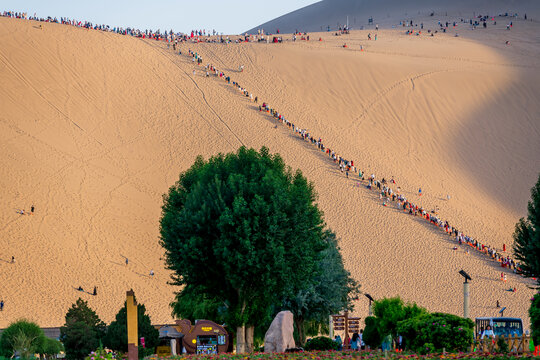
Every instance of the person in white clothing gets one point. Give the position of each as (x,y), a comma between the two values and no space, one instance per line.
(488,332)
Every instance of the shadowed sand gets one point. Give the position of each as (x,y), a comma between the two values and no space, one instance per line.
(95,127)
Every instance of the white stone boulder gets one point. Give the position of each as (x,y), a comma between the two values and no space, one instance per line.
(279,336)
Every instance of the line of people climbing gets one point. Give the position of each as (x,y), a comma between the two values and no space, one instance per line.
(385,188)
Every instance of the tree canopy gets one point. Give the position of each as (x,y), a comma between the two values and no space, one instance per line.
(527,237)
(82,332)
(330,290)
(390,311)
(243,231)
(22,336)
(534,314)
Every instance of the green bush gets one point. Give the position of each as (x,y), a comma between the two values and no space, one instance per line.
(22,336)
(502,345)
(372,336)
(390,311)
(321,343)
(427,348)
(447,331)
(51,347)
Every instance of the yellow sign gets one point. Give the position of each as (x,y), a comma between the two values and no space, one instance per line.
(206,328)
(163,351)
(194,341)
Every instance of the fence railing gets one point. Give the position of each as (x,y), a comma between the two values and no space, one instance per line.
(516,344)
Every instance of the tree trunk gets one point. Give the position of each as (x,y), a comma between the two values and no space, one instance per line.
(299,322)
(241,339)
(250,330)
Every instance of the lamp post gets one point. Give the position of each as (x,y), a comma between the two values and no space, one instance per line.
(466,293)
(370,301)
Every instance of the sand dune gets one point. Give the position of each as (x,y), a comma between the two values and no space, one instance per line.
(334,13)
(95,127)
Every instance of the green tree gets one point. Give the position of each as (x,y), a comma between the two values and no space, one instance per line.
(50,348)
(330,290)
(534,314)
(23,337)
(243,230)
(527,237)
(116,338)
(82,332)
(390,311)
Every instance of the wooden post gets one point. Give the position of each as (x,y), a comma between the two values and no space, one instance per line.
(132,326)
(346,339)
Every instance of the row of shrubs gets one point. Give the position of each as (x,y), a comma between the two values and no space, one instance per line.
(82,334)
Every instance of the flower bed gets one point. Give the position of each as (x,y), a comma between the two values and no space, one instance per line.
(321,355)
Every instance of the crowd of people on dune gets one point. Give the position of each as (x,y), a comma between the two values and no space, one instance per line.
(387,189)
(145,34)
(168,36)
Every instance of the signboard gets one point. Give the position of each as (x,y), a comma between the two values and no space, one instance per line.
(206,349)
(163,351)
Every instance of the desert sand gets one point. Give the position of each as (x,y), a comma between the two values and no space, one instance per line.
(95,127)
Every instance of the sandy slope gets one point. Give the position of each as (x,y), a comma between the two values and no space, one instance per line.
(95,127)
(335,13)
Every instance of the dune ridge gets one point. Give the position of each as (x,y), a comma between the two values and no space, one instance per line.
(97,126)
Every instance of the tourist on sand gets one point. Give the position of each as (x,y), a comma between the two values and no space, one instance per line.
(420,192)
(13,259)
(80,288)
(32,209)
(95,291)
(152,273)
(1,305)
(127,261)
(498,305)
(504,278)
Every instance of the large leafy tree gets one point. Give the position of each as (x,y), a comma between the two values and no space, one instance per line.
(23,337)
(82,332)
(330,290)
(243,230)
(527,237)
(116,338)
